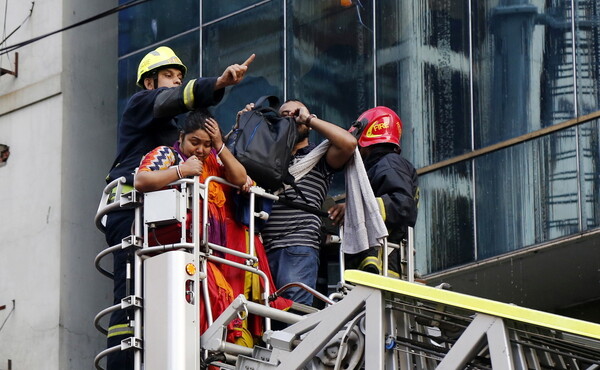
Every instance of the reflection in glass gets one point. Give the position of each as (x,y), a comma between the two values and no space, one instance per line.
(154,21)
(186,48)
(589,144)
(212,10)
(232,40)
(522,68)
(521,76)
(423,74)
(526,194)
(587,33)
(329,62)
(444,232)
(329,59)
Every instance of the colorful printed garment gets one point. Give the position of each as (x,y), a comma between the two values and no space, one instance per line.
(223,230)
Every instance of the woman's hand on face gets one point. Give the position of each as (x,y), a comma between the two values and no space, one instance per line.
(212,128)
(192,167)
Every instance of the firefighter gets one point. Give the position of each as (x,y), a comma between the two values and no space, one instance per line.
(150,120)
(393,180)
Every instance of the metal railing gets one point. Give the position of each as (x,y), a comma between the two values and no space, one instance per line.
(114,198)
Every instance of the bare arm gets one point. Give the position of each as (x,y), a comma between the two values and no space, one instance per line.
(235,173)
(342,142)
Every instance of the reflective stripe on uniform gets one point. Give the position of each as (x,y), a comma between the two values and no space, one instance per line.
(370,261)
(120,329)
(393,274)
(125,188)
(188,95)
(381,207)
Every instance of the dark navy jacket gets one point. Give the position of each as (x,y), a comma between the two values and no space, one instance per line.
(149,120)
(394,179)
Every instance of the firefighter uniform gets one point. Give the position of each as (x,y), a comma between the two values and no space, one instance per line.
(149,120)
(393,180)
(395,184)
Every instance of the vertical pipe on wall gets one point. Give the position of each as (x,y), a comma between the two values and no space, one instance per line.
(472,118)
(574,57)
(374,54)
(284,4)
(200,37)
(576,112)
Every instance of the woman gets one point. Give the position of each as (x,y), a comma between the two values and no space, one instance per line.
(199,145)
(201,152)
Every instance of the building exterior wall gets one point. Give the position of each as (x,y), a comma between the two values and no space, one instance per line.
(89,132)
(463,75)
(30,243)
(58,117)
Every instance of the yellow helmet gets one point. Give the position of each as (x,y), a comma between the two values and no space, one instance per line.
(162,57)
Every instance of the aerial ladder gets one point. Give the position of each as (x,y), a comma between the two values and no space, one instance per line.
(371,322)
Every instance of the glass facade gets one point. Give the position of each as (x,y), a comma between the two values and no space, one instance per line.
(232,40)
(463,75)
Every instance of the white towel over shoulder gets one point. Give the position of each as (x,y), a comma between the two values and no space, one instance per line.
(363,224)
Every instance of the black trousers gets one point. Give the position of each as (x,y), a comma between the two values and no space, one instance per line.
(354,261)
(119,226)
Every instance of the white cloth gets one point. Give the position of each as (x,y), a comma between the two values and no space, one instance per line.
(303,166)
(363,225)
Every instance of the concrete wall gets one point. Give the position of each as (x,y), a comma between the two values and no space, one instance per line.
(89,132)
(30,205)
(59,118)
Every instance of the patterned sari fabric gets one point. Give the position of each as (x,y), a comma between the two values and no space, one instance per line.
(225,282)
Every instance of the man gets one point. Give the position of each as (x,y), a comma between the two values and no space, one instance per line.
(393,180)
(292,236)
(149,120)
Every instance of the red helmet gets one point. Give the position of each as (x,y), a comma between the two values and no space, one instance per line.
(376,126)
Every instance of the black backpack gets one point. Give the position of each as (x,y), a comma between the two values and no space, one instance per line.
(263,144)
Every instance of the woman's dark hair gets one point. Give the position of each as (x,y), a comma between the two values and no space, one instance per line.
(195,120)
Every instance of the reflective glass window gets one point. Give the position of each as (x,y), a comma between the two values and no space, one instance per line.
(186,48)
(589,144)
(423,74)
(527,194)
(232,40)
(154,21)
(212,10)
(330,58)
(330,65)
(444,233)
(522,68)
(587,33)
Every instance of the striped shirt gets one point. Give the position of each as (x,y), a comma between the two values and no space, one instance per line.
(288,226)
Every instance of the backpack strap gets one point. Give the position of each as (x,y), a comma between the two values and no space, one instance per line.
(290,203)
(291,181)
